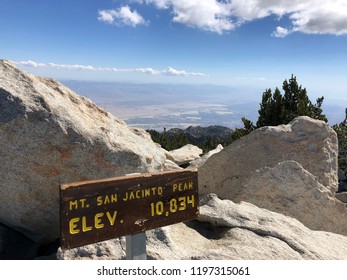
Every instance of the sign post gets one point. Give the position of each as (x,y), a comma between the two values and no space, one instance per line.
(136,246)
(98,210)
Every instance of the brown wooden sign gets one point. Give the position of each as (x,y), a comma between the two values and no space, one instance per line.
(99,210)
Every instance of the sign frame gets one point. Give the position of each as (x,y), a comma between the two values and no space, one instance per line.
(98,210)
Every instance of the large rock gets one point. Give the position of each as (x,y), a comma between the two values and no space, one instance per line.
(201,160)
(184,155)
(310,142)
(301,241)
(50,135)
(228,230)
(289,189)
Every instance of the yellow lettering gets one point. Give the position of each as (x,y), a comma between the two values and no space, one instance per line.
(191,200)
(126,197)
(97,220)
(73,226)
(160,190)
(138,194)
(82,200)
(99,201)
(182,203)
(182,186)
(147,192)
(77,225)
(113,197)
(111,219)
(85,228)
(73,203)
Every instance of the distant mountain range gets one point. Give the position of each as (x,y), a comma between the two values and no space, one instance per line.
(200,134)
(206,138)
(159,106)
(155,106)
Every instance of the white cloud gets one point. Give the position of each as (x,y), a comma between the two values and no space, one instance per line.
(174,72)
(71,67)
(281,32)
(145,70)
(209,15)
(328,17)
(31,63)
(220,16)
(160,4)
(307,16)
(122,16)
(107,16)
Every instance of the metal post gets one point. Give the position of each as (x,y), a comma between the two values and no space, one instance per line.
(136,246)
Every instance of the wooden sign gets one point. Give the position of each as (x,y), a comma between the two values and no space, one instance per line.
(99,210)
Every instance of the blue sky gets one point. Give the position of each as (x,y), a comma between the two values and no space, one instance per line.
(231,42)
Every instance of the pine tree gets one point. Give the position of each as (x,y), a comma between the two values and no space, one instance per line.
(276,109)
(265,109)
(296,102)
(341,131)
(271,109)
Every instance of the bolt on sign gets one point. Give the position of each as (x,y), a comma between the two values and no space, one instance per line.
(98,210)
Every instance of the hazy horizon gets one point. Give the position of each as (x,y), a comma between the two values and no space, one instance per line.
(159,105)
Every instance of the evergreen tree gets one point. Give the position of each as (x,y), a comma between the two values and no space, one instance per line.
(265,108)
(291,101)
(317,111)
(296,103)
(240,132)
(276,109)
(271,109)
(341,131)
